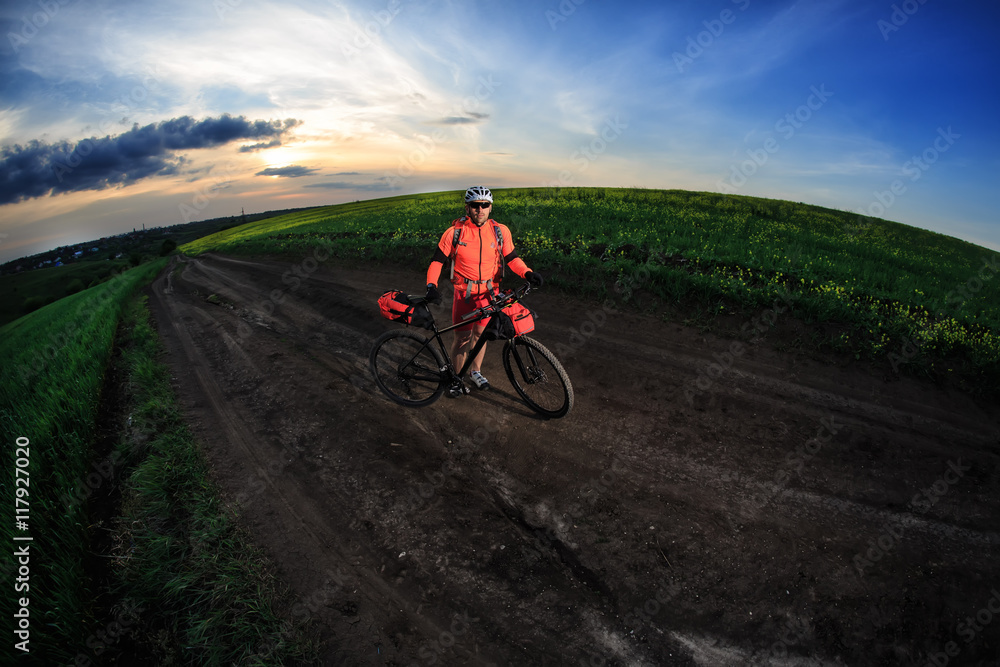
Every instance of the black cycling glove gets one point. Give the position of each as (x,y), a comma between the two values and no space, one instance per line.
(433,295)
(534,278)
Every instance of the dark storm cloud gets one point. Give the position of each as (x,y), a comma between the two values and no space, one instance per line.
(292,171)
(253,148)
(468,119)
(40,168)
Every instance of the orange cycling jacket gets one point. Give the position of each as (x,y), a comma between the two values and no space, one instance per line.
(477,260)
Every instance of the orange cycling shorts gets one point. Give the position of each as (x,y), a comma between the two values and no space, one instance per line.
(460,307)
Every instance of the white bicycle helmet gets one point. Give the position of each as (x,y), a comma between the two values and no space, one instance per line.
(478,193)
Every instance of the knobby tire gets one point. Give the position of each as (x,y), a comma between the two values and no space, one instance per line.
(539,378)
(407,368)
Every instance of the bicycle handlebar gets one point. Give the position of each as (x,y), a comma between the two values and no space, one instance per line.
(499,301)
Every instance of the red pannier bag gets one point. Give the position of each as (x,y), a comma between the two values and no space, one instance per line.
(522,317)
(395,305)
(511,322)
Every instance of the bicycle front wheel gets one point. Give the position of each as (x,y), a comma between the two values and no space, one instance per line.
(538,377)
(407,368)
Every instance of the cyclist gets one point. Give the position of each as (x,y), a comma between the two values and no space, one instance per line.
(478,247)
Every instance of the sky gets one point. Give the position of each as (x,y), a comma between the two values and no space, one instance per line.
(117,114)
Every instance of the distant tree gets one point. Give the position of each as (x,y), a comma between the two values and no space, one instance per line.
(135,259)
(169,245)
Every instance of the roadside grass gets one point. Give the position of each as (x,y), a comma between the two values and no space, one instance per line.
(180,553)
(909,299)
(50,384)
(185,576)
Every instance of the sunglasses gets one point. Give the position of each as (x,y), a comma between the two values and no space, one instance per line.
(478,205)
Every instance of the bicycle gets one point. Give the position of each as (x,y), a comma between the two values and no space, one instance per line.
(413,372)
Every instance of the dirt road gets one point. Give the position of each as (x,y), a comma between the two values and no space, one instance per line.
(705,503)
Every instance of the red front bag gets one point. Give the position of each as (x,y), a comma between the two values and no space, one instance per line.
(396,306)
(523,319)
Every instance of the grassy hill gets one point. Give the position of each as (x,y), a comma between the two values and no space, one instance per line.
(25,292)
(904,296)
(24,289)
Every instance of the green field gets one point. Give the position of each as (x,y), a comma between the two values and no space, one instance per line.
(127,531)
(917,300)
(900,297)
(50,384)
(25,292)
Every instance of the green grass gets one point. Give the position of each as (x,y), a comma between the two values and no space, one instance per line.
(898,294)
(209,594)
(22,293)
(204,593)
(886,288)
(50,384)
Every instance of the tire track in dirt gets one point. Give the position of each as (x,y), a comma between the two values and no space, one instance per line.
(633,531)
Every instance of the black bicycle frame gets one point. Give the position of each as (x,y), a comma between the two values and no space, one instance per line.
(480,343)
(475,348)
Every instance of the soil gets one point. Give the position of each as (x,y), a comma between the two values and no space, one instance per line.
(707,501)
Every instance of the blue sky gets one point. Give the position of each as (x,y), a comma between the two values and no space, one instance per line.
(116,114)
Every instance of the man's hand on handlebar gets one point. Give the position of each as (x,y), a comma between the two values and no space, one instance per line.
(534,278)
(433,295)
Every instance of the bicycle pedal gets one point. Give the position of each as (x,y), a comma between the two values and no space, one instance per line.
(457,390)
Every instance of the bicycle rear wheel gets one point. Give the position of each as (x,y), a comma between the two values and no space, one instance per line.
(538,377)
(407,368)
